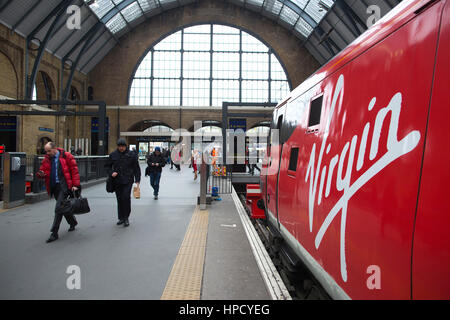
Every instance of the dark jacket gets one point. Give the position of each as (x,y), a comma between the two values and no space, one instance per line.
(67,170)
(153,158)
(126,165)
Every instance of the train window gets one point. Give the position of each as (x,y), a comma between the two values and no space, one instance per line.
(315,111)
(293,160)
(280,122)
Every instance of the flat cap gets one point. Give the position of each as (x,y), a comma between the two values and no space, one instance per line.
(121,142)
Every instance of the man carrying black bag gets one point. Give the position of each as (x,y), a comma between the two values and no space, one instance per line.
(123,168)
(60,171)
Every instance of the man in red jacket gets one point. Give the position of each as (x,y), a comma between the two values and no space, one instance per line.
(60,171)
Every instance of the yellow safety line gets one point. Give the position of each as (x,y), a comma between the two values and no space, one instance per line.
(3,210)
(185,279)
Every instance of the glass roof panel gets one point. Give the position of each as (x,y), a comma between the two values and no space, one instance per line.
(327,3)
(273,6)
(148,5)
(288,15)
(132,12)
(315,11)
(300,3)
(101,7)
(303,27)
(116,24)
(292,12)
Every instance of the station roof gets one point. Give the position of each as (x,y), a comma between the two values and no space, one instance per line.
(324,27)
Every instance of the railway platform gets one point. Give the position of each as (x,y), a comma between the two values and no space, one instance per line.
(171,250)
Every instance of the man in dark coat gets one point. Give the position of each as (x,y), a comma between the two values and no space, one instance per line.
(155,162)
(60,171)
(123,167)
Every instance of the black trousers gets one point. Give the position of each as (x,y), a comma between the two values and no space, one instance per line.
(60,194)
(174,164)
(123,196)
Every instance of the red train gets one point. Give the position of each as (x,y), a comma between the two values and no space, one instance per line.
(357,184)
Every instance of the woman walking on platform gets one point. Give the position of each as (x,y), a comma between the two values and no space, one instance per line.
(194,160)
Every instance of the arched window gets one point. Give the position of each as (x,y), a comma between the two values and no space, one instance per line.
(206,64)
(159,129)
(260,131)
(210,130)
(257,141)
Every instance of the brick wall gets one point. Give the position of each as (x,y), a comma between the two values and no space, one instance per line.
(12,85)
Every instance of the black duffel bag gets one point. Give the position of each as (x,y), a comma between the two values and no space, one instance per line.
(79,205)
(74,205)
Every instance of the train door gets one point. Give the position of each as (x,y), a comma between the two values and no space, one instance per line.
(299,129)
(276,146)
(431,248)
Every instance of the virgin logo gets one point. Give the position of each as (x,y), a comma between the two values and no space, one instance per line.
(395,149)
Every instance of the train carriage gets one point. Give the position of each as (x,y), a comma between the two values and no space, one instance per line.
(356,171)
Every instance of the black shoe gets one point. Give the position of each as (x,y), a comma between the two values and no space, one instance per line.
(120,222)
(72,227)
(126,223)
(53,237)
(156,197)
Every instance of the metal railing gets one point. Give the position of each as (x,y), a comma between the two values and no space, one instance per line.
(89,168)
(33,162)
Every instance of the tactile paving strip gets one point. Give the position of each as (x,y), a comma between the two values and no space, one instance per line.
(185,279)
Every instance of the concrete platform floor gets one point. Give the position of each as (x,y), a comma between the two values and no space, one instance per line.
(124,263)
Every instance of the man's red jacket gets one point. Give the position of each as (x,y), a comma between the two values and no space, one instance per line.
(69,168)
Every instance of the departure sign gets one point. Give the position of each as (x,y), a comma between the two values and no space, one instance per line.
(237,124)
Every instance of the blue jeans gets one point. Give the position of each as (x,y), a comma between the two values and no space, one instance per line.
(154,181)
